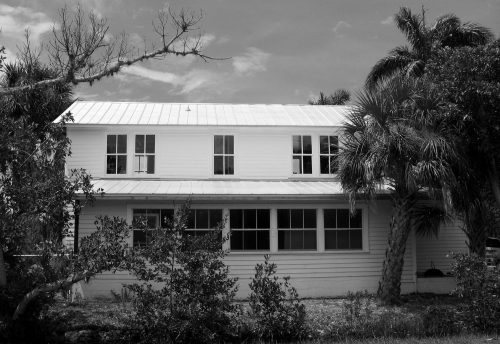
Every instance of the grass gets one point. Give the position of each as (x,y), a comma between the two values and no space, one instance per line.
(465,339)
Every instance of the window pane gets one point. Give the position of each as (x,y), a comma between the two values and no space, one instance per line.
(283,218)
(297,218)
(330,218)
(191,219)
(284,240)
(263,218)
(139,143)
(356,239)
(324,164)
(151,164)
(296,240)
(249,216)
(323,145)
(342,218)
(229,165)
(263,240)
(334,164)
(297,164)
(334,144)
(236,218)
(307,146)
(307,164)
(309,218)
(236,240)
(122,144)
(122,164)
(111,164)
(137,163)
(218,165)
(330,240)
(357,219)
(215,217)
(218,144)
(166,216)
(343,239)
(150,143)
(249,240)
(202,218)
(111,144)
(309,240)
(297,145)
(139,238)
(229,144)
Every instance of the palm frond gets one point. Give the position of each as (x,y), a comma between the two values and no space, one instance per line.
(387,67)
(413,28)
(428,219)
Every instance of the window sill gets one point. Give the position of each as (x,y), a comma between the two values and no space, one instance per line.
(299,252)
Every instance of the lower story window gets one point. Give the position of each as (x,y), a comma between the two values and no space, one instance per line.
(249,229)
(343,230)
(297,229)
(202,221)
(148,220)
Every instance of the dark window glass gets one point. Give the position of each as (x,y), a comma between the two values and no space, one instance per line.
(356,239)
(334,164)
(228,144)
(263,218)
(215,217)
(357,219)
(283,218)
(151,164)
(324,163)
(202,218)
(236,218)
(250,217)
(139,143)
(323,145)
(309,218)
(122,144)
(218,144)
(150,143)
(263,240)
(343,218)
(229,168)
(307,164)
(297,218)
(111,144)
(343,239)
(297,164)
(140,238)
(249,240)
(284,240)
(334,144)
(330,240)
(111,164)
(330,218)
(296,240)
(191,219)
(307,146)
(122,164)
(237,240)
(297,144)
(218,165)
(309,240)
(166,216)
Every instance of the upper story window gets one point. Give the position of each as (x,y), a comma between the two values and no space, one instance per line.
(144,158)
(296,229)
(201,221)
(249,229)
(343,230)
(116,154)
(223,154)
(302,155)
(328,154)
(150,219)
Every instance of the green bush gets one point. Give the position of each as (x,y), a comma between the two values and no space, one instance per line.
(275,307)
(479,286)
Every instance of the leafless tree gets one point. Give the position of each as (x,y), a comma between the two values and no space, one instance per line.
(82,50)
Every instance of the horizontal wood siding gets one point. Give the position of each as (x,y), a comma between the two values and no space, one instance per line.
(314,274)
(436,250)
(87,150)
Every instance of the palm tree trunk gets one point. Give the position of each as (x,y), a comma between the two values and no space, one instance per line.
(3,270)
(389,288)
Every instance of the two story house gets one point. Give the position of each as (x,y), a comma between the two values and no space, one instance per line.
(269,169)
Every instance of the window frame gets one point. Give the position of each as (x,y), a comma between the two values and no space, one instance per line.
(302,155)
(223,155)
(256,229)
(188,229)
(133,208)
(134,154)
(329,155)
(294,229)
(364,230)
(106,154)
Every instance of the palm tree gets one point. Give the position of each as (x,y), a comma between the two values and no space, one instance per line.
(447,31)
(394,138)
(339,97)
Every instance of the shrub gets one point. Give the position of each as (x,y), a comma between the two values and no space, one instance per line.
(479,286)
(186,294)
(275,307)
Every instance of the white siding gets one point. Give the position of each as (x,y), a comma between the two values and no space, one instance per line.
(314,274)
(87,150)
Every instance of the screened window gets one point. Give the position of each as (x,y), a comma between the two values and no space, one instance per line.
(343,230)
(302,155)
(296,229)
(150,219)
(224,154)
(249,229)
(201,221)
(116,154)
(328,154)
(144,158)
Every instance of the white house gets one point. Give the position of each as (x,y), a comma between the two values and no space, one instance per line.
(271,169)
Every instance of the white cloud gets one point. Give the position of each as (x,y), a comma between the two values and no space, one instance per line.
(254,60)
(338,28)
(10,57)
(165,77)
(15,20)
(387,21)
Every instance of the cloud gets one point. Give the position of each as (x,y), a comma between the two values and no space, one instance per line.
(165,77)
(15,20)
(338,28)
(387,21)
(254,60)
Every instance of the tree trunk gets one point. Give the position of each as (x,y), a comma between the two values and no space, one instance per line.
(3,271)
(389,288)
(493,177)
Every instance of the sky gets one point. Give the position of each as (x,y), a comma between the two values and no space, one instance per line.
(278,51)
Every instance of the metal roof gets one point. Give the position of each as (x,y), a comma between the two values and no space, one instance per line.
(205,114)
(217,189)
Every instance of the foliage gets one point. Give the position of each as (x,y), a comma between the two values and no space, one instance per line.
(479,286)
(424,41)
(275,305)
(185,294)
(339,97)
